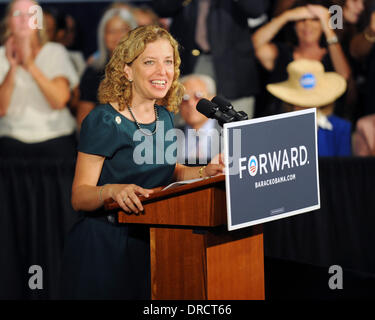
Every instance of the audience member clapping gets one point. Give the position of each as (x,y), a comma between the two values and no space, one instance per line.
(35,81)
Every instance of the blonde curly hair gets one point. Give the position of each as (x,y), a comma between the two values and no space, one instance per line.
(115,87)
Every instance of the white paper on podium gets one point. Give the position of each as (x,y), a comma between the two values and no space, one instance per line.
(181,183)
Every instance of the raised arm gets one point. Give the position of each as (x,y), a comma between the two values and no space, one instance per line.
(6,90)
(55,90)
(7,86)
(266,33)
(340,62)
(265,50)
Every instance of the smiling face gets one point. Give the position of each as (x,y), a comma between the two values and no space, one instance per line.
(19,18)
(352,10)
(152,71)
(308,30)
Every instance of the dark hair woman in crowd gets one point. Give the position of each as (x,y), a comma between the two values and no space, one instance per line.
(311,26)
(139,94)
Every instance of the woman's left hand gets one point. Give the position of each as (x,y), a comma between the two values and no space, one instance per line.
(11,53)
(215,167)
(24,46)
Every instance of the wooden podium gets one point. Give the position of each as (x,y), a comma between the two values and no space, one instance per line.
(193,255)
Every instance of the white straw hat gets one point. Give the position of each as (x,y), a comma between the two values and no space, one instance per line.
(308,85)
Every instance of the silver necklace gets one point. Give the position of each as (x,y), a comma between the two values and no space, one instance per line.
(139,127)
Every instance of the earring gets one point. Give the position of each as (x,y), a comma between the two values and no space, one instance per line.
(130,80)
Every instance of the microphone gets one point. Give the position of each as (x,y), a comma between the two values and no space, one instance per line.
(226,107)
(211,110)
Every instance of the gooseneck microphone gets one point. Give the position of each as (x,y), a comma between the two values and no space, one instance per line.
(211,110)
(226,107)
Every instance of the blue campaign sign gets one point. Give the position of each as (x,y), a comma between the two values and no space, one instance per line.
(271,168)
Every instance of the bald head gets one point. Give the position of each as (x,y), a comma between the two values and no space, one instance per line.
(195,89)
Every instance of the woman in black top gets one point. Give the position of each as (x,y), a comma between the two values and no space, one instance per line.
(310,23)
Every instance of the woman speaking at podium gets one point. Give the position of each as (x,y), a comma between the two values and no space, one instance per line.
(139,94)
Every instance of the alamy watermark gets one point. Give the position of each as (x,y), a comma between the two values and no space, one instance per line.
(335,22)
(336,19)
(36,19)
(194,147)
(336,281)
(36,280)
(35,14)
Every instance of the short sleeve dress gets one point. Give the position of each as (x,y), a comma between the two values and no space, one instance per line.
(103,260)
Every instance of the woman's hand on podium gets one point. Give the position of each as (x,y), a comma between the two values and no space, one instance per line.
(215,167)
(126,195)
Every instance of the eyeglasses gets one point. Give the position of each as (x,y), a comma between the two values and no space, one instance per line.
(197,95)
(18,13)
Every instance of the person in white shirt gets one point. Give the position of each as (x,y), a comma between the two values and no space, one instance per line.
(201,139)
(35,82)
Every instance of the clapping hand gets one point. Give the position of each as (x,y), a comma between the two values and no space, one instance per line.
(23,45)
(11,52)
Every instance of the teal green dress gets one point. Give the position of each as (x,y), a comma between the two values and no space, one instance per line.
(103,260)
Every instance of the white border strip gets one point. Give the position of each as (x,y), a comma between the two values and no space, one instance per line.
(227,176)
(270,118)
